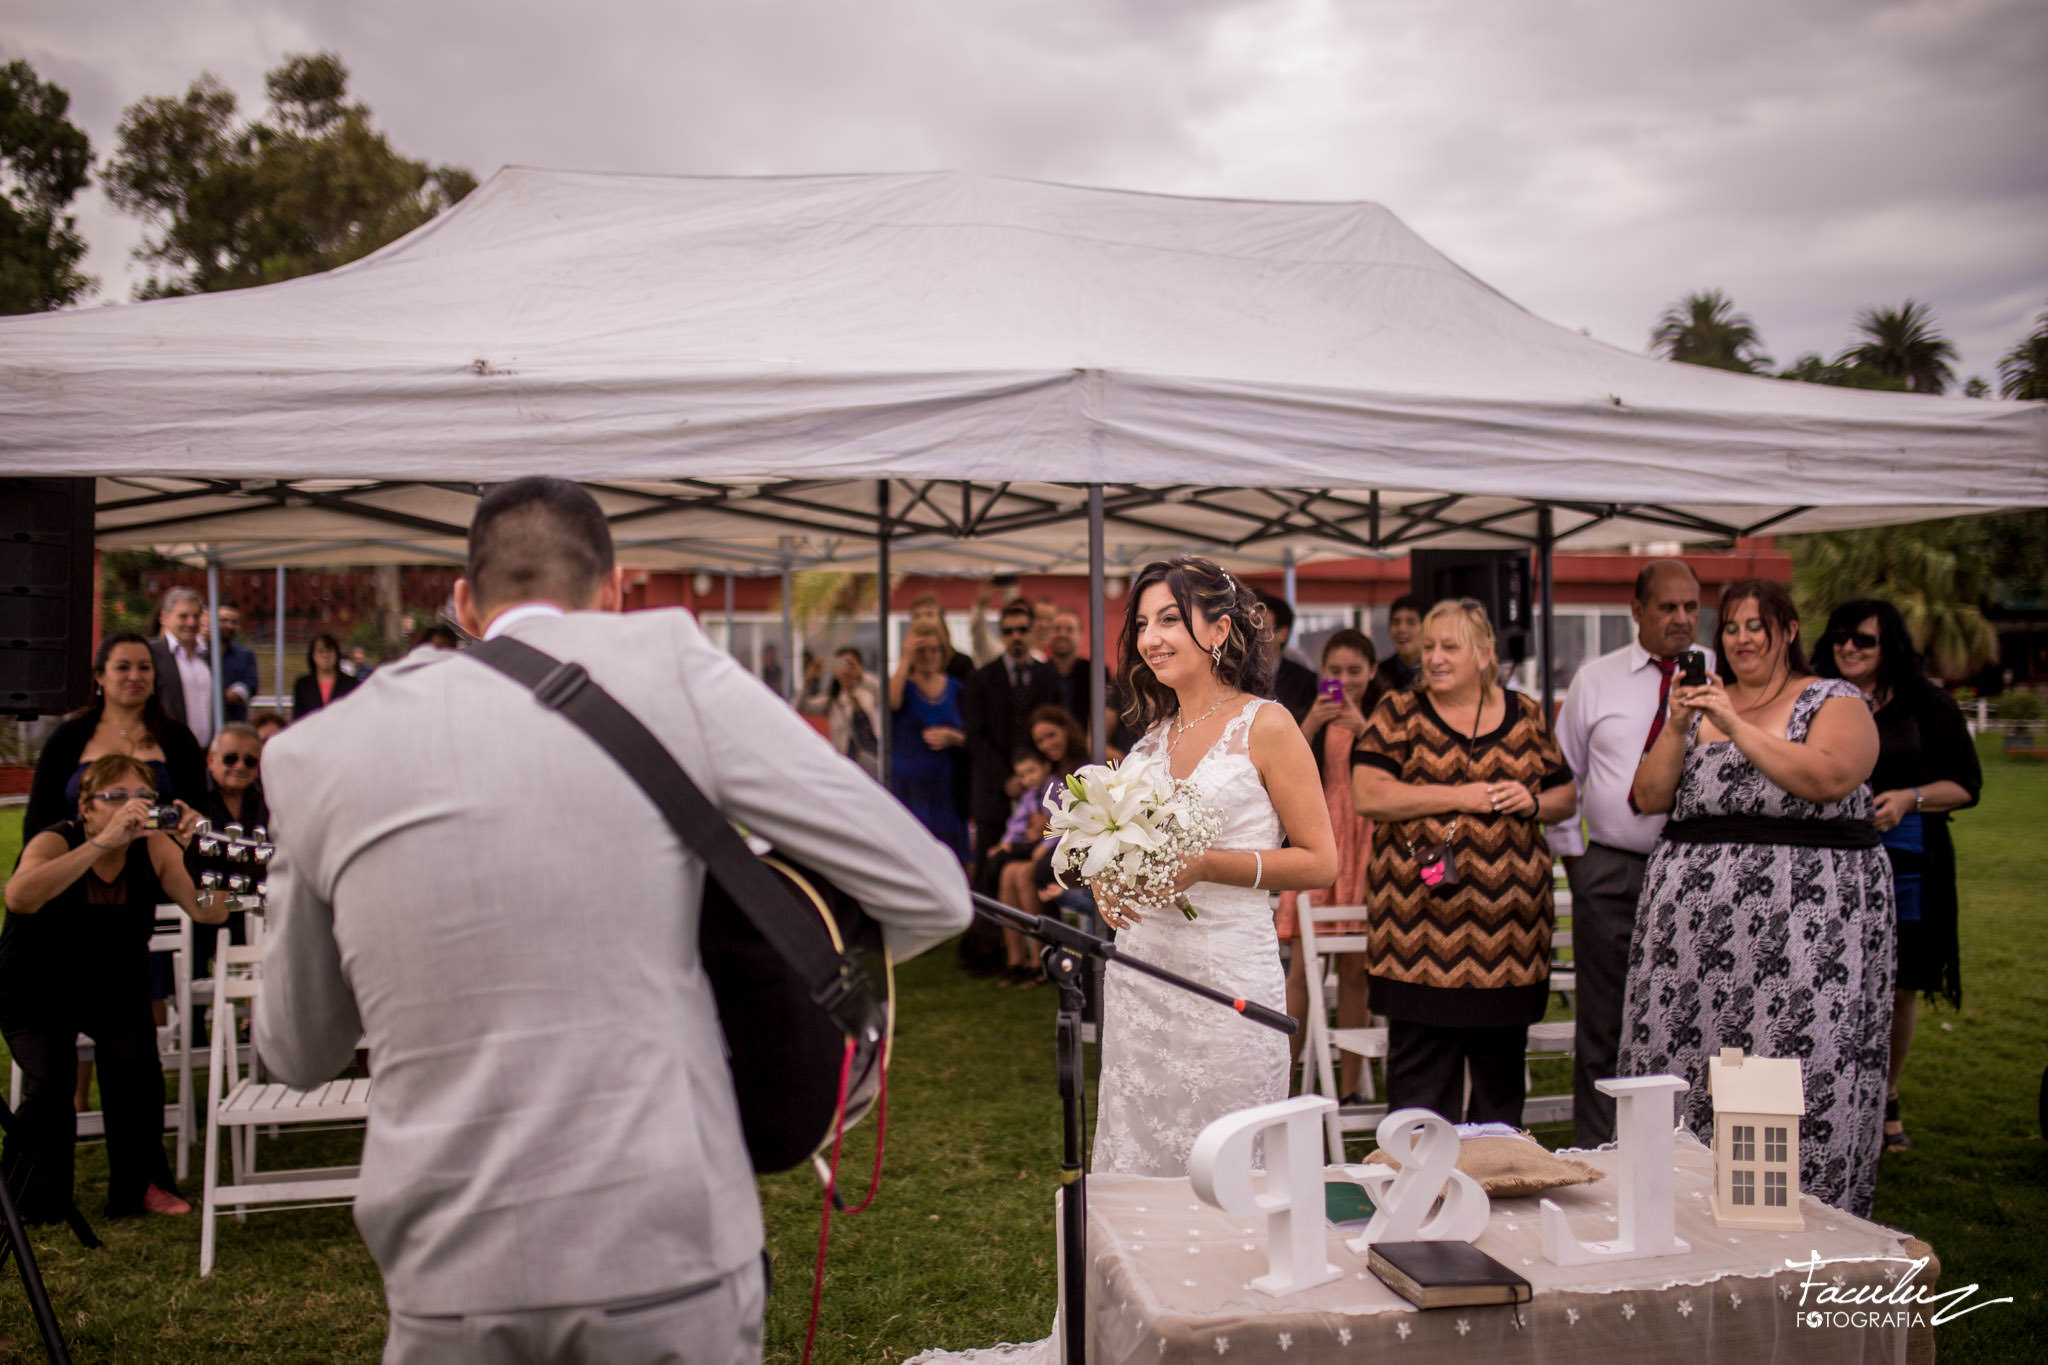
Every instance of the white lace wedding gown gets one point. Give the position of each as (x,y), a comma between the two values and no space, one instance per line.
(1172,1063)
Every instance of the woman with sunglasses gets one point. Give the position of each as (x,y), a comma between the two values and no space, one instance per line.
(1926,767)
(124,716)
(74,958)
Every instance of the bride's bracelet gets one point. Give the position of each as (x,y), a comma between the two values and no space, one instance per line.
(1258,869)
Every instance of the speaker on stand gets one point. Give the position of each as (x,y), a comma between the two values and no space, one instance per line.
(46,531)
(1498,580)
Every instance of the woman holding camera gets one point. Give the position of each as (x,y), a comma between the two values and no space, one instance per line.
(1766,915)
(74,958)
(1458,774)
(124,717)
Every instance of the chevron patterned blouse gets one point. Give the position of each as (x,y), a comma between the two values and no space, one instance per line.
(1440,953)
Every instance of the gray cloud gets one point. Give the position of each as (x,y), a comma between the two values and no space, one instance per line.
(1593,160)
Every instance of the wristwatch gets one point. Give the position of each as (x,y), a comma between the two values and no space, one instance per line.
(1919,798)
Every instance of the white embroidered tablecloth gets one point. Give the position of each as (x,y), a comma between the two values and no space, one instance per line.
(1169,1276)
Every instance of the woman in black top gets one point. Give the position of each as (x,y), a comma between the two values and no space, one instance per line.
(1926,767)
(125,716)
(74,958)
(323,683)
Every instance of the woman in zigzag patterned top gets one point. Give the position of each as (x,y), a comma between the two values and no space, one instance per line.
(1459,773)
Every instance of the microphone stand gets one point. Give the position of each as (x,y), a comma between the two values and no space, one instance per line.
(1066,950)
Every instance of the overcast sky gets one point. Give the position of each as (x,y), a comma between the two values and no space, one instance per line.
(1592,159)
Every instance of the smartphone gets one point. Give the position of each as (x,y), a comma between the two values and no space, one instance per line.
(1692,669)
(1331,689)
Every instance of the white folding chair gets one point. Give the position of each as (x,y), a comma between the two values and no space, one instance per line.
(192,996)
(1324,1040)
(237,1105)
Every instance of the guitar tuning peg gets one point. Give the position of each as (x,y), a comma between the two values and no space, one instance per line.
(209,880)
(234,832)
(263,853)
(239,884)
(204,826)
(261,834)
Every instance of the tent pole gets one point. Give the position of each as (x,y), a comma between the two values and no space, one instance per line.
(213,659)
(792,669)
(1546,561)
(728,615)
(1287,575)
(277,649)
(1098,632)
(882,623)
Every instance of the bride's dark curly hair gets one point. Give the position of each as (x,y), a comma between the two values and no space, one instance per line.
(1201,590)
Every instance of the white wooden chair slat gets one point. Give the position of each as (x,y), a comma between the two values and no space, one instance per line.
(239,1105)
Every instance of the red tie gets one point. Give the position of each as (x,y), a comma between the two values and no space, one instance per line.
(1665,667)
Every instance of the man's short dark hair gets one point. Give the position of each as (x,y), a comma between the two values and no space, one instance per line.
(1647,575)
(1017,606)
(1408,601)
(1278,611)
(538,539)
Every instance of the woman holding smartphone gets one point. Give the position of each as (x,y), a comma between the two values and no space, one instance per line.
(1345,695)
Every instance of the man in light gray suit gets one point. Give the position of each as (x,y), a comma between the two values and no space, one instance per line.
(554,1168)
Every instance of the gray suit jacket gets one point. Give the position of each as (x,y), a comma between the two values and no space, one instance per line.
(470,881)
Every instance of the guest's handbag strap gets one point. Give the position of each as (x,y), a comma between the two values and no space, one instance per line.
(834,981)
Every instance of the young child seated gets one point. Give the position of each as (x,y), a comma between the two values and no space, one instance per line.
(1023,843)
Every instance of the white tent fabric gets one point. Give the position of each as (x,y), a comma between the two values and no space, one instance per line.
(735,360)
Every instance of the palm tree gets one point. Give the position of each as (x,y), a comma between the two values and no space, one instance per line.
(2024,371)
(1705,329)
(1902,343)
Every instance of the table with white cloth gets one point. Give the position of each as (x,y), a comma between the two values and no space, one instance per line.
(1169,1282)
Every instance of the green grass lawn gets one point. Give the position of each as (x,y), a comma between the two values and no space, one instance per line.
(958,1251)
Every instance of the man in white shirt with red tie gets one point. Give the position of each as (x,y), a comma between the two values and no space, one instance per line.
(1616,704)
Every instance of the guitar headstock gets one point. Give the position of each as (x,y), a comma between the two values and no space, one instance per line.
(231,859)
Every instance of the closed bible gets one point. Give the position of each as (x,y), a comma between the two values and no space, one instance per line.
(1445,1274)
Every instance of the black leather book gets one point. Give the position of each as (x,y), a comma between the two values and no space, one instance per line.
(1446,1274)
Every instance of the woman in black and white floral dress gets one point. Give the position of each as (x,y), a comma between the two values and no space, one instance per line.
(1766,916)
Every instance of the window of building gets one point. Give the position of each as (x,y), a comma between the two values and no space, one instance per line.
(1774,1189)
(1774,1145)
(1742,1187)
(1742,1143)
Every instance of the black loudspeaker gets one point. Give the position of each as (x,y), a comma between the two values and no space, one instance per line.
(1497,579)
(45,595)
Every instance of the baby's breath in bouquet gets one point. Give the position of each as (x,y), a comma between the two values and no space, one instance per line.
(1130,829)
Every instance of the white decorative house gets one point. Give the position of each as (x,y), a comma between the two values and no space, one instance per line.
(1758,1102)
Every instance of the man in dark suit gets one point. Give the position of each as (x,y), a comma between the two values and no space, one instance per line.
(184,678)
(1000,699)
(237,665)
(1294,684)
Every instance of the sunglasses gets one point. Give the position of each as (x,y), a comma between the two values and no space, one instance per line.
(1016,630)
(234,760)
(121,796)
(1861,639)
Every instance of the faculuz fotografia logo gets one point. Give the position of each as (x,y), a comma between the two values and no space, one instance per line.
(1830,1301)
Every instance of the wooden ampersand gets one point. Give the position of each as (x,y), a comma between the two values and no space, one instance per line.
(1426,1145)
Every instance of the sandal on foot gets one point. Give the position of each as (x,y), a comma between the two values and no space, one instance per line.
(1894,1140)
(156,1199)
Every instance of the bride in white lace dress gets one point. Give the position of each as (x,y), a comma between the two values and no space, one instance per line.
(1195,657)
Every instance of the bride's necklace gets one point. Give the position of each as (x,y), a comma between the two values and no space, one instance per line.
(1180,728)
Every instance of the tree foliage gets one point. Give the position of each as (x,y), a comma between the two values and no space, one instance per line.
(1811,369)
(1937,573)
(2023,373)
(244,203)
(1705,329)
(45,161)
(1902,343)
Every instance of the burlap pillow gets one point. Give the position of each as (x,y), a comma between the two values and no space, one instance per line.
(1512,1167)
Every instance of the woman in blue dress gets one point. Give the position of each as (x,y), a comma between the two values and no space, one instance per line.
(926,732)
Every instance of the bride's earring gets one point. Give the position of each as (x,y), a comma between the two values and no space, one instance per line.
(1216,654)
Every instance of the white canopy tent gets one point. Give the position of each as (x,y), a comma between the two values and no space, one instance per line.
(943,371)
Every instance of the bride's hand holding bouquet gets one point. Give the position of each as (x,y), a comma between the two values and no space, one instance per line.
(1134,834)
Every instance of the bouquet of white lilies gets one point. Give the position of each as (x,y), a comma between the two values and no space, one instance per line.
(1129,830)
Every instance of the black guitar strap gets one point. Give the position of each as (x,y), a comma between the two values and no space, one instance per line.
(834,981)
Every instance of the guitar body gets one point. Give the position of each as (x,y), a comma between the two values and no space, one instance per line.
(784,1049)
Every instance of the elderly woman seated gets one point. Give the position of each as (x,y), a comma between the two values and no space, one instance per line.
(233,796)
(74,958)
